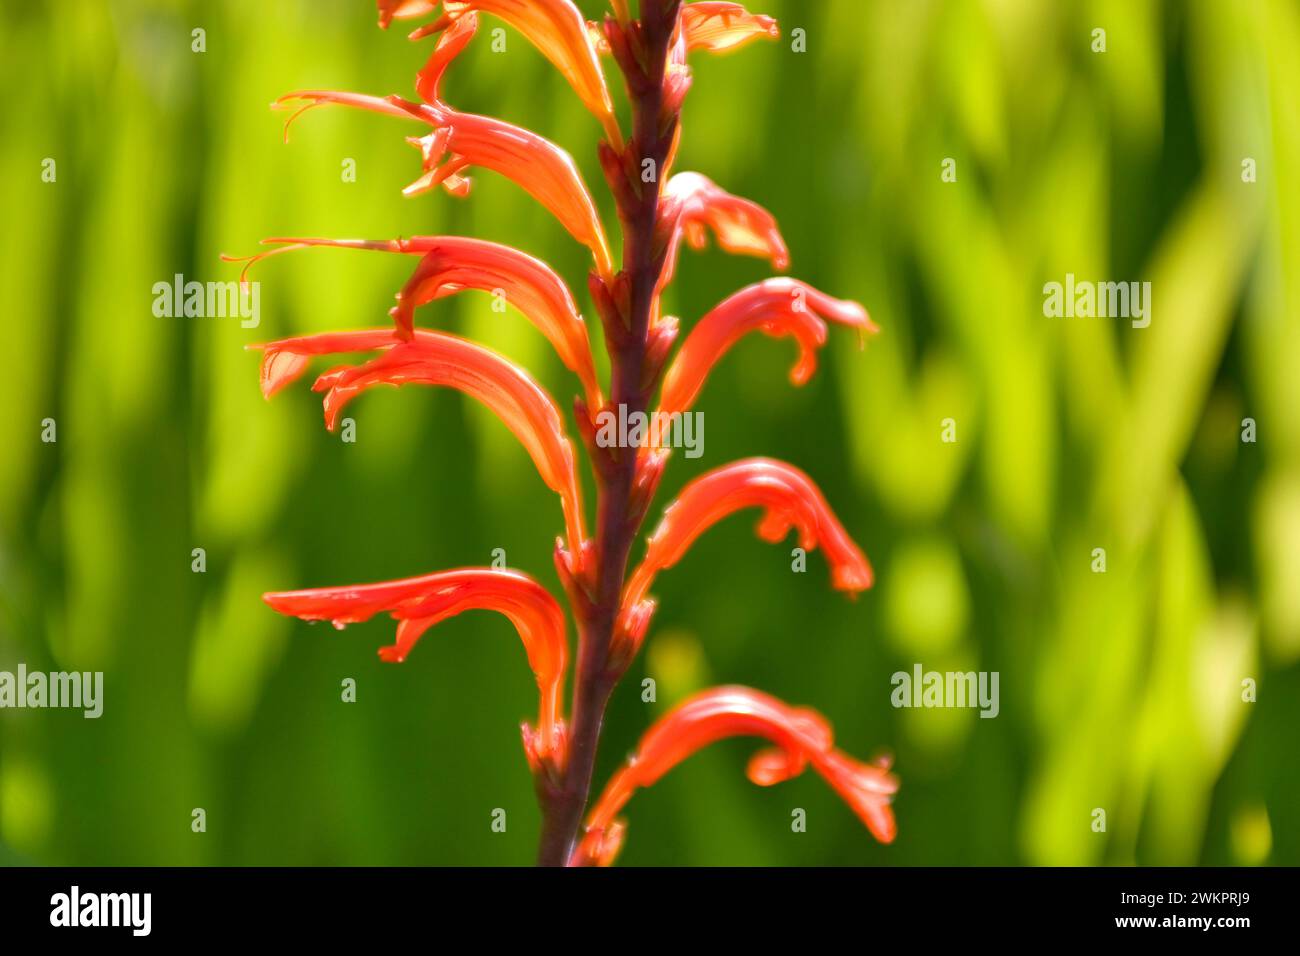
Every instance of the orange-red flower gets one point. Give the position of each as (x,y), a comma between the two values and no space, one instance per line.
(775,307)
(451,264)
(534,163)
(436,358)
(788,498)
(693,202)
(419,603)
(557,29)
(718,26)
(802,737)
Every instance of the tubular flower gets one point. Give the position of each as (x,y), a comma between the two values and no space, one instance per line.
(789,499)
(775,307)
(451,264)
(693,202)
(419,603)
(537,165)
(557,29)
(718,27)
(436,358)
(802,738)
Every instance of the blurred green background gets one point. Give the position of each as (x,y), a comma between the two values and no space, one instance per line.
(1120,691)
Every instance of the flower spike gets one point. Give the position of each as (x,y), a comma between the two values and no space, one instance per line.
(437,358)
(652,52)
(451,264)
(789,499)
(719,27)
(802,738)
(419,603)
(534,163)
(693,202)
(775,307)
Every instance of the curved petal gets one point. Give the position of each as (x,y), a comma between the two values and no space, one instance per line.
(420,602)
(788,498)
(540,167)
(451,264)
(436,358)
(558,30)
(775,307)
(802,738)
(428,82)
(534,163)
(694,203)
(718,27)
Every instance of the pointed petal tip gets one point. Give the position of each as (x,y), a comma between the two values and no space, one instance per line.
(392,654)
(885,827)
(853,578)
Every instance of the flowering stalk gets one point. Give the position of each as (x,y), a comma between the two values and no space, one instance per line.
(626,305)
(657,213)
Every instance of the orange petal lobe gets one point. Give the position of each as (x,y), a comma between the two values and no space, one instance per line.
(719,27)
(390,10)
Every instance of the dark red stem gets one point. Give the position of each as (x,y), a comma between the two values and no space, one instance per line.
(625,310)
